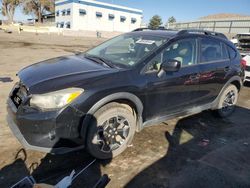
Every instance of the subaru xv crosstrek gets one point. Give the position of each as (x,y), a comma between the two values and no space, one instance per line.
(100,98)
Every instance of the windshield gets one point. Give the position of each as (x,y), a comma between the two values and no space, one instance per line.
(126,50)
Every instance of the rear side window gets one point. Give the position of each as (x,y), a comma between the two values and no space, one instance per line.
(212,50)
(225,52)
(232,52)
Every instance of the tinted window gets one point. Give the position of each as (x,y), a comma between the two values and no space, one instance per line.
(182,50)
(225,52)
(232,53)
(212,50)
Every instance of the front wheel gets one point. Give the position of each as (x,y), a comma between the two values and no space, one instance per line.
(111,130)
(227,101)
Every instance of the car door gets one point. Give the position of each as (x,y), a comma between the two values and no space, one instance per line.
(214,64)
(173,91)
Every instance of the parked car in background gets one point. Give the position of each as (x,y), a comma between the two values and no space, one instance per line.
(100,98)
(242,43)
(246,60)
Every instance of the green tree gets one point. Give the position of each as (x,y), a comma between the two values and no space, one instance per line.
(38,7)
(155,22)
(8,8)
(171,19)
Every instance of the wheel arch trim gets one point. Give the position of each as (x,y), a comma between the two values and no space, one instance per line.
(110,98)
(230,81)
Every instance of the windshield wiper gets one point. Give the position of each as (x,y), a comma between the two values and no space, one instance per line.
(99,60)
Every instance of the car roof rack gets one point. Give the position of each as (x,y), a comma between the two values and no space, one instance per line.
(161,28)
(200,31)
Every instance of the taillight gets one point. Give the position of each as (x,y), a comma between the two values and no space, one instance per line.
(243,63)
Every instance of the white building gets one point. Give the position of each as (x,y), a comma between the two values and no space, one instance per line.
(92,15)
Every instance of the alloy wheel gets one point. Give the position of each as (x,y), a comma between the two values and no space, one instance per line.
(112,134)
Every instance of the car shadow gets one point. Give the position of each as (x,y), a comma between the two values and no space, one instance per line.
(15,171)
(53,168)
(204,151)
(6,79)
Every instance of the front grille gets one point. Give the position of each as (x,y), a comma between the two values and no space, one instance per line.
(19,94)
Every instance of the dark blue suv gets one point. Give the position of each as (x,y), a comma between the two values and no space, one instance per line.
(100,98)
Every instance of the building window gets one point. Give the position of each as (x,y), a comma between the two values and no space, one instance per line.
(111,16)
(68,12)
(58,13)
(57,24)
(82,12)
(62,25)
(98,14)
(63,12)
(68,25)
(133,20)
(122,18)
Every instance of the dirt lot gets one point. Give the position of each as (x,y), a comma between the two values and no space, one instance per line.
(197,151)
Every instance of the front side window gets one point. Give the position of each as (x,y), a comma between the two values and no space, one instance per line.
(182,50)
(127,50)
(211,50)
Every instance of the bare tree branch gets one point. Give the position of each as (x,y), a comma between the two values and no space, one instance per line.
(9,7)
(38,7)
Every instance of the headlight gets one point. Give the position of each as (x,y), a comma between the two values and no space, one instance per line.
(55,99)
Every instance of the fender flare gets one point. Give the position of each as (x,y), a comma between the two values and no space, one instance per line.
(112,97)
(230,81)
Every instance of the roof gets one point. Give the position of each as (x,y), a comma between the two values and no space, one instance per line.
(100,5)
(172,33)
(160,33)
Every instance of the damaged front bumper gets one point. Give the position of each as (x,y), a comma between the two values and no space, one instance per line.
(51,132)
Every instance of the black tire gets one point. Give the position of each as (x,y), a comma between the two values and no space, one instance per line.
(111,131)
(227,101)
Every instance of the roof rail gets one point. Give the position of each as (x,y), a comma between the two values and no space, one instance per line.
(141,29)
(151,29)
(199,31)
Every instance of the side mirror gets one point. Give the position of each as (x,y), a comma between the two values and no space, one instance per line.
(170,65)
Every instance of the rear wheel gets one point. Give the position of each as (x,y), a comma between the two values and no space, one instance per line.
(111,131)
(227,101)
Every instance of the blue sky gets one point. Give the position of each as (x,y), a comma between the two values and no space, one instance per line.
(182,10)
